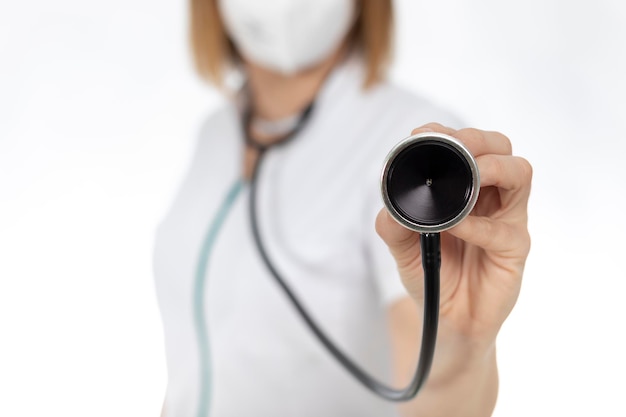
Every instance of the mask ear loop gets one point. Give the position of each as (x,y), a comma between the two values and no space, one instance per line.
(431,262)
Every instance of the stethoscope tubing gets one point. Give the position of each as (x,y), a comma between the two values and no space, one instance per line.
(431,261)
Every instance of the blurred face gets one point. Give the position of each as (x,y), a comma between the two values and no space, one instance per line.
(287,36)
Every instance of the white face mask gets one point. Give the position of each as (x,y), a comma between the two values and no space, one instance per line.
(287,36)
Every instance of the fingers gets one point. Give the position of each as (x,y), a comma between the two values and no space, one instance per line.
(434,127)
(479,142)
(503,171)
(506,231)
(494,236)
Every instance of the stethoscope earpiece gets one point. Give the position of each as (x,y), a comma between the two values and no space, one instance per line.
(430,182)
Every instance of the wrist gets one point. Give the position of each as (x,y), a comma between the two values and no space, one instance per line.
(455,359)
(465,384)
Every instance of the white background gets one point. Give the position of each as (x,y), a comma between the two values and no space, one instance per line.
(98,112)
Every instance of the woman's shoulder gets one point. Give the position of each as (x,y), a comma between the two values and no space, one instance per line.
(387,113)
(386,100)
(418,109)
(220,124)
(216,138)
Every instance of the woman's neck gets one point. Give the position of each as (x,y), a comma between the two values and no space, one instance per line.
(275,96)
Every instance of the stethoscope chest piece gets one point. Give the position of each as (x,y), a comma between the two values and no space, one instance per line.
(430,182)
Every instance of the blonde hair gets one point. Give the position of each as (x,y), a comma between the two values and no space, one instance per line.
(214,53)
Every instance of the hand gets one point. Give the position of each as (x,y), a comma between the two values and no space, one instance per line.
(483,257)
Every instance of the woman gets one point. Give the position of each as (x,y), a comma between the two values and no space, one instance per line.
(314,74)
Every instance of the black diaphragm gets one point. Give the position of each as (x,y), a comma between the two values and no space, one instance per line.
(430,182)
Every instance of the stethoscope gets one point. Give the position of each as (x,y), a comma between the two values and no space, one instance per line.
(429,183)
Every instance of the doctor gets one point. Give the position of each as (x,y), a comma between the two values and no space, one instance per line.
(315,95)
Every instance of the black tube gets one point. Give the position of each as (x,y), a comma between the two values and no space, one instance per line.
(431,261)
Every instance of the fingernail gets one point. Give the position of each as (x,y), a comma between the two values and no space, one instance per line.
(421,130)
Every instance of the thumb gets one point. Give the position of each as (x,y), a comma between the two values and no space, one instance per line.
(403,243)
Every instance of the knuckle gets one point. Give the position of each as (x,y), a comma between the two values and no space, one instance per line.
(494,166)
(526,170)
(526,242)
(520,241)
(499,166)
(486,231)
(473,138)
(470,133)
(506,144)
